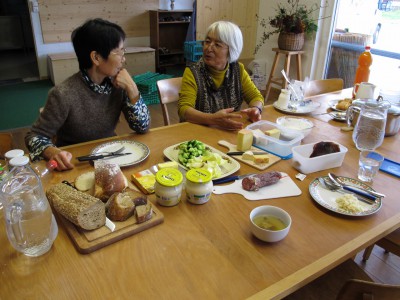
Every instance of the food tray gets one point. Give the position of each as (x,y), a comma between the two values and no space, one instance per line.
(281,147)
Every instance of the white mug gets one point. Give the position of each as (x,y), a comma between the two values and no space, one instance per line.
(364,90)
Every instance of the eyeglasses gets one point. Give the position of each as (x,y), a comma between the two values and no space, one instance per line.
(218,45)
(120,52)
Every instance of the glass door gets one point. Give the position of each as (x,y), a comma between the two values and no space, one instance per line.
(366,22)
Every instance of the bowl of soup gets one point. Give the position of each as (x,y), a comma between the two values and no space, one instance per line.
(270,223)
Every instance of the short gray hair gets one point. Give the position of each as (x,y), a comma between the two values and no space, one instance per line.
(230,34)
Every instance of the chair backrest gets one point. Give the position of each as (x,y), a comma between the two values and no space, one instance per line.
(360,289)
(6,143)
(168,91)
(322,86)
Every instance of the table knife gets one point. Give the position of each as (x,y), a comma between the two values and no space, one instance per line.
(100,156)
(231,178)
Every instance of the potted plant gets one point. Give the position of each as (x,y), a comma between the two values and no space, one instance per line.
(291,22)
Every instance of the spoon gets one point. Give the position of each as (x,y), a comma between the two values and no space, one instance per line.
(366,193)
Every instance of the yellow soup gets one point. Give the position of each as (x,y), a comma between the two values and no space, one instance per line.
(269,222)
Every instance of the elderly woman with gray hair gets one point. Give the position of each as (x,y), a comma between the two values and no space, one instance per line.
(214,88)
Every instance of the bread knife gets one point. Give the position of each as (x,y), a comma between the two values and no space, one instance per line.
(241,153)
(100,156)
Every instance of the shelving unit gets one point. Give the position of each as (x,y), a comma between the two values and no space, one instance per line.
(168,31)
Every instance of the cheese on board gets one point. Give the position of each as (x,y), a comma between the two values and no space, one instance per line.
(248,155)
(261,159)
(244,140)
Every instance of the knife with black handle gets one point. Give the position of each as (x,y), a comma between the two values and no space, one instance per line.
(100,156)
(231,178)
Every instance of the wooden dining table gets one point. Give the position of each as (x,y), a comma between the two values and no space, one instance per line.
(208,251)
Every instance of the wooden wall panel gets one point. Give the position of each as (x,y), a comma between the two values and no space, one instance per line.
(242,13)
(59,18)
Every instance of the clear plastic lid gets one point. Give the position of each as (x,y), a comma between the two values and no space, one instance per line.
(19,161)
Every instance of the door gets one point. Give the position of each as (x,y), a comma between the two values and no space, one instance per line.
(366,22)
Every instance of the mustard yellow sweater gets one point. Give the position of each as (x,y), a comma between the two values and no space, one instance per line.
(188,93)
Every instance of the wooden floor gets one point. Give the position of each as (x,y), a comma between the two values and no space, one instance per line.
(384,268)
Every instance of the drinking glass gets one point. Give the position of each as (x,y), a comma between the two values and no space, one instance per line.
(369,164)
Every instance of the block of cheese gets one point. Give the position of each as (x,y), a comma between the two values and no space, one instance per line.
(145,181)
(244,140)
(248,155)
(275,133)
(168,164)
(261,159)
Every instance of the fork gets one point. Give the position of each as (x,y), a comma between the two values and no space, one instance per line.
(115,152)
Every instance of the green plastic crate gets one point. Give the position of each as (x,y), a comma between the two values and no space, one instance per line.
(151,98)
(147,86)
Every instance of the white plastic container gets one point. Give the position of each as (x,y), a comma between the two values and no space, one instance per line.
(302,162)
(168,186)
(199,186)
(281,147)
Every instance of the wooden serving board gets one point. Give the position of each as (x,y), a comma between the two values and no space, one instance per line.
(87,241)
(232,148)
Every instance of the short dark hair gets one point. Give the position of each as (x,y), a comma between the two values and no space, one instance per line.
(95,35)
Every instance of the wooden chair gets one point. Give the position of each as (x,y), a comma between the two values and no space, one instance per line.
(364,290)
(6,143)
(391,243)
(168,91)
(322,86)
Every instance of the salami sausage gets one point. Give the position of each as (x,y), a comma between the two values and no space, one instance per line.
(255,182)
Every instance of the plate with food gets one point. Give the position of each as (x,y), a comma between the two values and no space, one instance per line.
(338,115)
(309,107)
(344,204)
(138,152)
(340,104)
(195,154)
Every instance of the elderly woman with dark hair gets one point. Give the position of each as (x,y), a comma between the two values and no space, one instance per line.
(87,105)
(214,88)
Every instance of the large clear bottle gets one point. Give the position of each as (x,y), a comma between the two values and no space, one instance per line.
(30,224)
(362,72)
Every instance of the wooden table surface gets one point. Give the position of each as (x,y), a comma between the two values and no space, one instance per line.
(207,251)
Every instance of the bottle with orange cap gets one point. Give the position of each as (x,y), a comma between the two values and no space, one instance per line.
(362,72)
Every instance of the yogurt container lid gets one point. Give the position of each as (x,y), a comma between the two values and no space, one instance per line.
(198,175)
(169,177)
(14,153)
(19,161)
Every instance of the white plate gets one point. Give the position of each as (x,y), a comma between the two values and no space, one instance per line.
(327,198)
(332,104)
(301,110)
(139,152)
(338,115)
(229,168)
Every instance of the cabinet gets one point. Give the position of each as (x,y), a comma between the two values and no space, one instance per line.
(168,31)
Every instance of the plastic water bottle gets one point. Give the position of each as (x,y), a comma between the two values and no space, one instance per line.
(44,170)
(30,224)
(362,72)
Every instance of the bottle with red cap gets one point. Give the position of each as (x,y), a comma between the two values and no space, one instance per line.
(44,170)
(362,72)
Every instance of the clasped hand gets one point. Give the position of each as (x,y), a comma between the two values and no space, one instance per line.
(230,120)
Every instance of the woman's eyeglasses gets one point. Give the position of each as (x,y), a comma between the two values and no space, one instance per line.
(120,52)
(218,45)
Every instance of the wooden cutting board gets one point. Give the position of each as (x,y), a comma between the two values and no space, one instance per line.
(86,241)
(285,187)
(232,148)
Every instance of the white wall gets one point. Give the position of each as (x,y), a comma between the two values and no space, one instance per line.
(42,50)
(315,47)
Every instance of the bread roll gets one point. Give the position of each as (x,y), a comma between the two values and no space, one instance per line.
(109,179)
(121,206)
(82,209)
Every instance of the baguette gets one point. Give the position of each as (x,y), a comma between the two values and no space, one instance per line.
(85,211)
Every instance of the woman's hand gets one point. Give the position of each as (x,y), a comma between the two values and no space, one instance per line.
(124,81)
(63,158)
(253,113)
(227,119)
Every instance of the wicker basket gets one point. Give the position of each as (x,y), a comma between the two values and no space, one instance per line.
(291,41)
